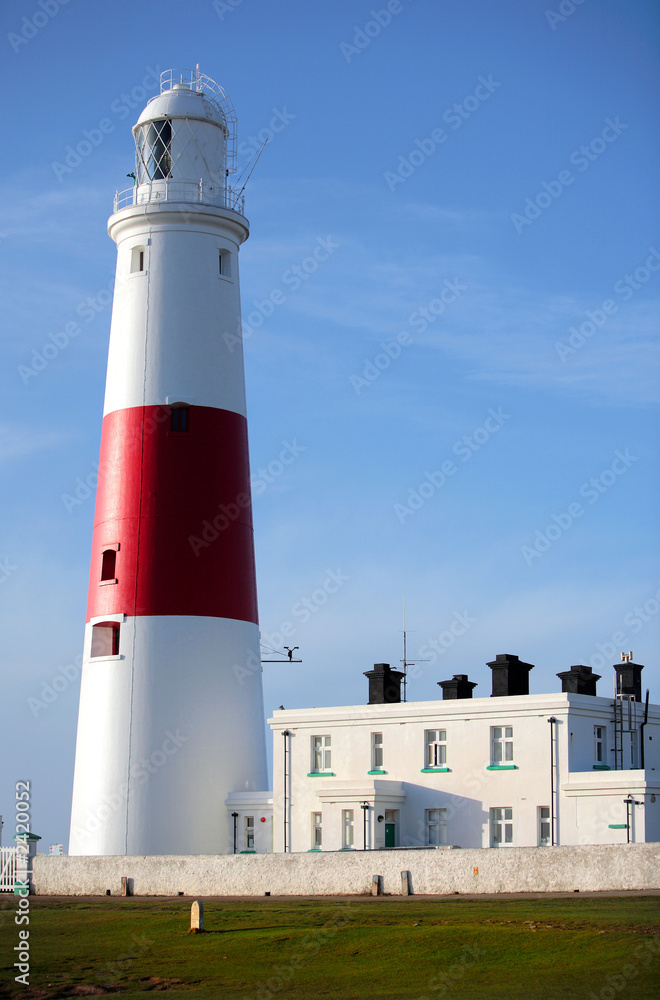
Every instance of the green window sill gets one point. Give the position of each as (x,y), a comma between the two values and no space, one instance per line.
(320,774)
(433,770)
(502,767)
(602,767)
(616,826)
(376,772)
(346,848)
(248,852)
(314,850)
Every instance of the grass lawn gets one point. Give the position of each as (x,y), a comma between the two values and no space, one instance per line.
(389,948)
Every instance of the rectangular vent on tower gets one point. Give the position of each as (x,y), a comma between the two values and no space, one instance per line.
(224,263)
(137,259)
(105,639)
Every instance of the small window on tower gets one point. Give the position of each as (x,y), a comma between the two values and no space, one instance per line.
(137,259)
(224,263)
(108,564)
(105,639)
(180,418)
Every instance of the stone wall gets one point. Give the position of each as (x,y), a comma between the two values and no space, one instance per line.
(444,870)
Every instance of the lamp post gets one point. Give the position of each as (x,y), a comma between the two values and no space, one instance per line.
(234,816)
(285,734)
(629,801)
(552,722)
(364,806)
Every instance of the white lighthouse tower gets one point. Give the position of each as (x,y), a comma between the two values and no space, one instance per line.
(171,710)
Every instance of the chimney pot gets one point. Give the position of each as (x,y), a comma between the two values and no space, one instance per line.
(458,687)
(510,675)
(384,684)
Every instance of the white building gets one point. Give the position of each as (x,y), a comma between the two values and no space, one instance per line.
(512,769)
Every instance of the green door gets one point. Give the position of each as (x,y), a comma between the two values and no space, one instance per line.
(389,834)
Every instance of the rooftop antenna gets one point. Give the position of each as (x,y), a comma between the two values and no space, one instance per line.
(250,174)
(406,662)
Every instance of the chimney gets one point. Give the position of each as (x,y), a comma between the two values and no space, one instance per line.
(629,678)
(458,687)
(510,675)
(579,680)
(384,684)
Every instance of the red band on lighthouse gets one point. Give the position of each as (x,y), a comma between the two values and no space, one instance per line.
(177,511)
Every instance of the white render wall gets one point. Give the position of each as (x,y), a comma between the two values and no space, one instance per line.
(551,869)
(469,789)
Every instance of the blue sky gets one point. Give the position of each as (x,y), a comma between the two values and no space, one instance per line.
(450,380)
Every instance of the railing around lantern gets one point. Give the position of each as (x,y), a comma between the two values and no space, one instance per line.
(168,190)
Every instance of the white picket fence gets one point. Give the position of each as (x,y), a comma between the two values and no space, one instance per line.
(7,868)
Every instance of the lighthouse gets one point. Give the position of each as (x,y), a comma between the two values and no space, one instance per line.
(171,708)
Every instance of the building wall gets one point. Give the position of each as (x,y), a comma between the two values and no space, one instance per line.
(469,786)
(556,869)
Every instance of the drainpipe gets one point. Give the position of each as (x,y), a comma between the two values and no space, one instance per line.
(235,819)
(552,722)
(285,734)
(641,730)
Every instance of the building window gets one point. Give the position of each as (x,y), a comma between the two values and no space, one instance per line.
(544,826)
(108,564)
(347,828)
(436,747)
(224,263)
(436,827)
(600,744)
(249,833)
(137,259)
(105,639)
(501,827)
(154,156)
(501,744)
(321,753)
(180,418)
(316,831)
(376,751)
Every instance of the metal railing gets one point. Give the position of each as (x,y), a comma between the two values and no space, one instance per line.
(169,190)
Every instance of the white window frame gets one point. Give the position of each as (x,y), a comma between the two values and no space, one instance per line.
(600,744)
(321,754)
(501,745)
(544,820)
(436,826)
(317,830)
(376,751)
(347,828)
(501,826)
(435,748)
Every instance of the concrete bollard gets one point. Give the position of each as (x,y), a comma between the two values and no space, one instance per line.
(405,883)
(375,885)
(197,918)
(126,886)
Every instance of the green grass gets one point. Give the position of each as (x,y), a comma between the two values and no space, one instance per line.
(340,949)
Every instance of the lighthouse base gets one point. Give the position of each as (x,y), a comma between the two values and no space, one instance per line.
(168,727)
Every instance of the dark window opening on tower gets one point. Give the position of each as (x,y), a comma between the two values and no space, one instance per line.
(154,151)
(180,418)
(108,564)
(224,263)
(105,639)
(137,260)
